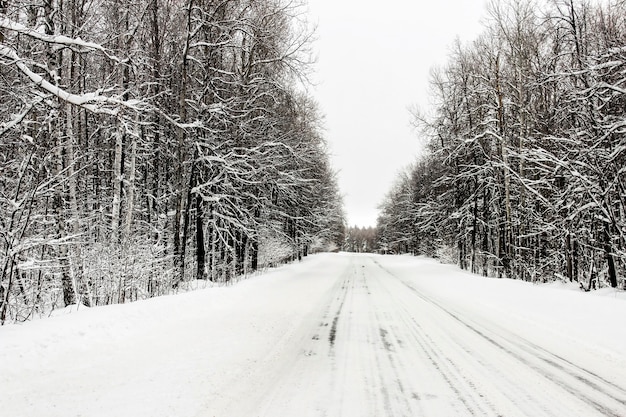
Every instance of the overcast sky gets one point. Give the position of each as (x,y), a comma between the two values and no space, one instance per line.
(373,63)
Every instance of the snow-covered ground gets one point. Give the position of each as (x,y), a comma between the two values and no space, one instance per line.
(335,335)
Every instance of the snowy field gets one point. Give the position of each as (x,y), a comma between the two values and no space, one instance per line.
(335,335)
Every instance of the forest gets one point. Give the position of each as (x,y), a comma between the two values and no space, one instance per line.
(145,144)
(525,171)
(360,239)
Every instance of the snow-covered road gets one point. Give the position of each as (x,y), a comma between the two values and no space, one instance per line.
(384,347)
(337,335)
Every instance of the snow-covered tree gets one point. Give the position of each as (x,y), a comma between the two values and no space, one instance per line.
(147,143)
(525,173)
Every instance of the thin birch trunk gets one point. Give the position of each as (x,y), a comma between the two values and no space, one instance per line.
(130,189)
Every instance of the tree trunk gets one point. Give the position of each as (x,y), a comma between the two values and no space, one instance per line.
(57,132)
(130,190)
(240,249)
(180,196)
(474,231)
(200,250)
(7,271)
(485,242)
(118,162)
(254,254)
(608,252)
(117,185)
(569,267)
(76,259)
(213,235)
(505,232)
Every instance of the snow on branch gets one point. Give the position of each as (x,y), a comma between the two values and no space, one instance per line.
(92,102)
(17,119)
(54,39)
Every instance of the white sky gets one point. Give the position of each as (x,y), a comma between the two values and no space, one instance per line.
(374,60)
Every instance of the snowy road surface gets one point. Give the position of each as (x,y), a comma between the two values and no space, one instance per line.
(336,335)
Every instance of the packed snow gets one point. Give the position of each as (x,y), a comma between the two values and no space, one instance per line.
(334,335)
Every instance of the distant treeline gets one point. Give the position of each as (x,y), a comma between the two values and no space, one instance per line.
(360,239)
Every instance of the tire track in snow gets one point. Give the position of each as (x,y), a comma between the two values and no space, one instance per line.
(357,376)
(323,381)
(604,391)
(463,389)
(392,364)
(475,400)
(559,371)
(370,376)
(347,283)
(288,383)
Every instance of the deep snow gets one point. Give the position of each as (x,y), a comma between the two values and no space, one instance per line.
(336,335)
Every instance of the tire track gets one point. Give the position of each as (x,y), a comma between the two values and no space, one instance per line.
(392,364)
(293,386)
(603,391)
(346,286)
(462,388)
(559,371)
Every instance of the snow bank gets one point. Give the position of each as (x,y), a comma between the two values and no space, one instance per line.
(166,356)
